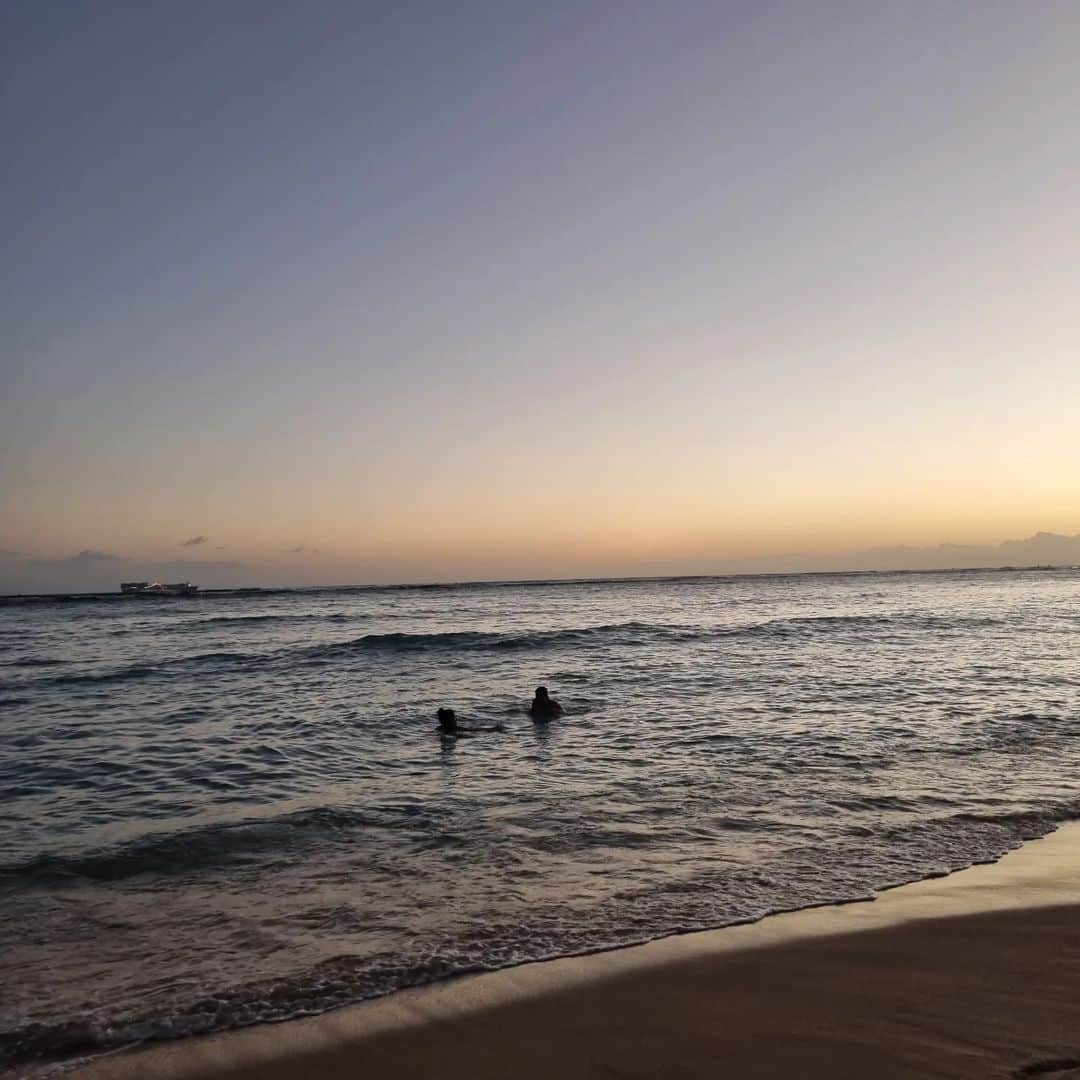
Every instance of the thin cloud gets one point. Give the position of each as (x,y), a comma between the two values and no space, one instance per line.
(88,555)
(296,550)
(195,541)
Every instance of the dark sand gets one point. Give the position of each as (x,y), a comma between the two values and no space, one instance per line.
(973,976)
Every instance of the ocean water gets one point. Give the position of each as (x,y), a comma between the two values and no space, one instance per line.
(236,807)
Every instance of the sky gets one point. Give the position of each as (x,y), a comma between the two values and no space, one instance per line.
(374,292)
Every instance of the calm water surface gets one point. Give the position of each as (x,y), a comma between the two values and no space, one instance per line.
(235,807)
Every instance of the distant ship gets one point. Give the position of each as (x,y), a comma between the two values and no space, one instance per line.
(155,588)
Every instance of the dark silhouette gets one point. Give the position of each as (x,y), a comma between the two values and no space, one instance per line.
(544,707)
(448,725)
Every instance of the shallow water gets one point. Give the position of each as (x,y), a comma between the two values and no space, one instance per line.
(235,807)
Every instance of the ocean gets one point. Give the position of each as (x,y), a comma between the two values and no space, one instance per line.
(236,807)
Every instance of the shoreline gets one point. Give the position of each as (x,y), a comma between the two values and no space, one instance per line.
(632,1011)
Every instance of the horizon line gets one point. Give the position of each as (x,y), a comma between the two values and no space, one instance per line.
(536,582)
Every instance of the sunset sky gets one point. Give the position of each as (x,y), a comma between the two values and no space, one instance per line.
(484,290)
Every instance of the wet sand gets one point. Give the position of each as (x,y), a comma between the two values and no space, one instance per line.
(976,975)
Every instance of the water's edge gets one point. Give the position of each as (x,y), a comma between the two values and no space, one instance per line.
(43,1068)
(625,952)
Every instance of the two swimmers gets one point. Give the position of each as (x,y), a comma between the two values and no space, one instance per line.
(543,708)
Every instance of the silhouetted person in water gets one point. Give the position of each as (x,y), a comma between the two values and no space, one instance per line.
(448,725)
(544,707)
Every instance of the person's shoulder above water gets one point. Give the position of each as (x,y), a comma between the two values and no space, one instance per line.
(543,706)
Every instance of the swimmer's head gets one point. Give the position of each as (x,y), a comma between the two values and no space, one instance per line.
(447,721)
(541,693)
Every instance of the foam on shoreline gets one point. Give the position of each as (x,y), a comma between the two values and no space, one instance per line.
(1042,874)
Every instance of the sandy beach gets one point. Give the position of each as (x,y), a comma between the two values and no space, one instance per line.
(976,975)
